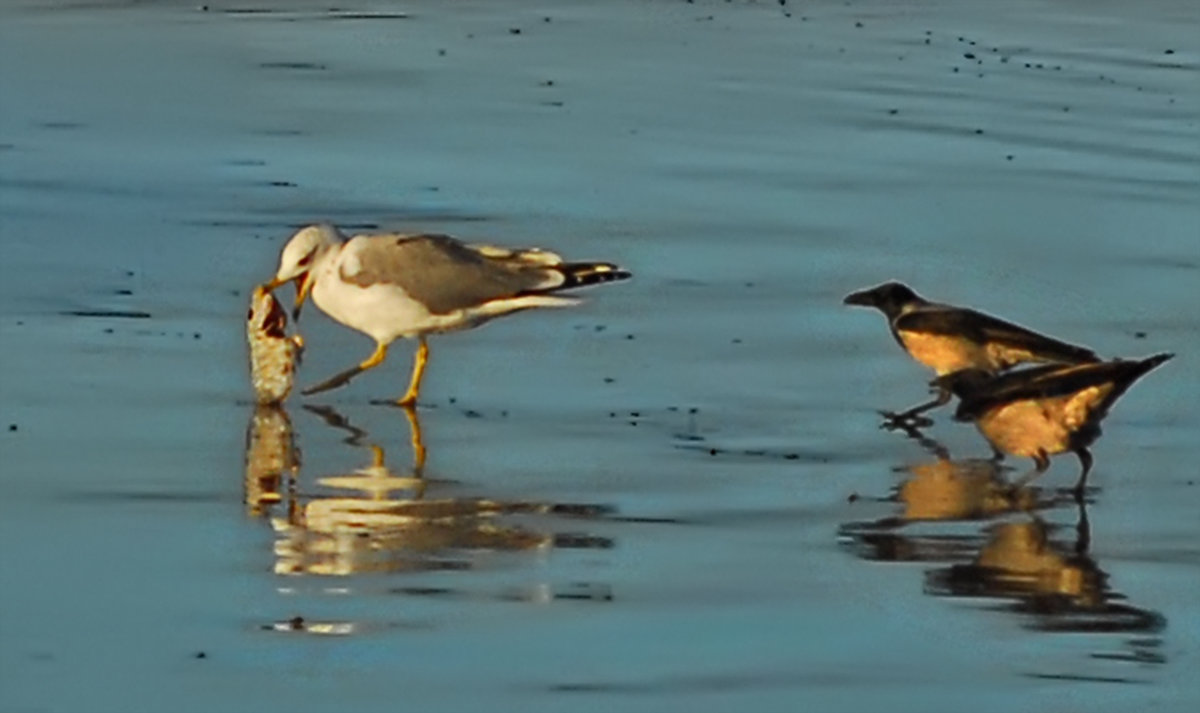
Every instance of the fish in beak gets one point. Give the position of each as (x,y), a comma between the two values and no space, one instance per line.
(304,283)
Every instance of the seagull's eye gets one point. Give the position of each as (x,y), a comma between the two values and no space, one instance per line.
(306,259)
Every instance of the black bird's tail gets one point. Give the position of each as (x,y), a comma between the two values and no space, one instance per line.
(1134,370)
(979,391)
(1120,373)
(582,274)
(1124,372)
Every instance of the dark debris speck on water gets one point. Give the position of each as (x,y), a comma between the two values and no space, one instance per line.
(121,314)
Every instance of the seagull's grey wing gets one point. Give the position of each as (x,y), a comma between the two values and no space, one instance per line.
(442,273)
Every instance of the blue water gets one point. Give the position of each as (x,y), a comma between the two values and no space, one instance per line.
(673,497)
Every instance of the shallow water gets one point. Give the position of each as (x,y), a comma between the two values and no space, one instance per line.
(674,497)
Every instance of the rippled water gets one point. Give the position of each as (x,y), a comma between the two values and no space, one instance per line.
(674,497)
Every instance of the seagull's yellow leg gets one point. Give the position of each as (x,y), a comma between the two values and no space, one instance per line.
(337,380)
(414,384)
(375,359)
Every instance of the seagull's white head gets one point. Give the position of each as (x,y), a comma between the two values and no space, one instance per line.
(300,255)
(303,249)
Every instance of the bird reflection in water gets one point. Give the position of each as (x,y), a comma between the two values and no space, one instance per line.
(379,520)
(1053,580)
(1015,556)
(272,458)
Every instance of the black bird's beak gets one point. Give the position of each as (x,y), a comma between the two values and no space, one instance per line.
(866,298)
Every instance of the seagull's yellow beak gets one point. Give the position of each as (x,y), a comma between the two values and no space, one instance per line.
(271,284)
(303,287)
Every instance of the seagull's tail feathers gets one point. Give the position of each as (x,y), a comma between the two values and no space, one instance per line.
(582,274)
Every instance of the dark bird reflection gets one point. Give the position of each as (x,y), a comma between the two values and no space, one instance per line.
(381,520)
(1049,578)
(991,541)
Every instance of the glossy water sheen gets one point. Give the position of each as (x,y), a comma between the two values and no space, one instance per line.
(672,498)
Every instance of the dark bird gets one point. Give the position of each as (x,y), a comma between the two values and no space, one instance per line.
(1045,410)
(947,339)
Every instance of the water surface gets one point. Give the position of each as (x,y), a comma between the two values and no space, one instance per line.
(674,497)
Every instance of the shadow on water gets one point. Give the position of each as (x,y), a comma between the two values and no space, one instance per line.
(991,541)
(380,520)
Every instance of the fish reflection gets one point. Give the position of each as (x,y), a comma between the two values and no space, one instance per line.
(991,541)
(272,458)
(381,520)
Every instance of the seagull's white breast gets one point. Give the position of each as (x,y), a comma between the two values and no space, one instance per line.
(383,311)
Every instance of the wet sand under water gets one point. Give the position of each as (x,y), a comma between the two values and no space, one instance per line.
(674,497)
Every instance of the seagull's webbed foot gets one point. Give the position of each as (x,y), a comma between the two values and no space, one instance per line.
(409,399)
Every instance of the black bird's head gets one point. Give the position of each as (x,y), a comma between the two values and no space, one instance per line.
(890,298)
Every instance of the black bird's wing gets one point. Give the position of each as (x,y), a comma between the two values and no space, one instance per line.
(1009,343)
(1110,379)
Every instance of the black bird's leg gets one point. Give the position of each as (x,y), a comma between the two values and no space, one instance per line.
(933,446)
(1083,531)
(1041,461)
(1085,459)
(912,416)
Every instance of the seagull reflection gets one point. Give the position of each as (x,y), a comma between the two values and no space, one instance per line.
(992,542)
(375,519)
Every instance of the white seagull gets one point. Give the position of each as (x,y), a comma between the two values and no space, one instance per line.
(394,285)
